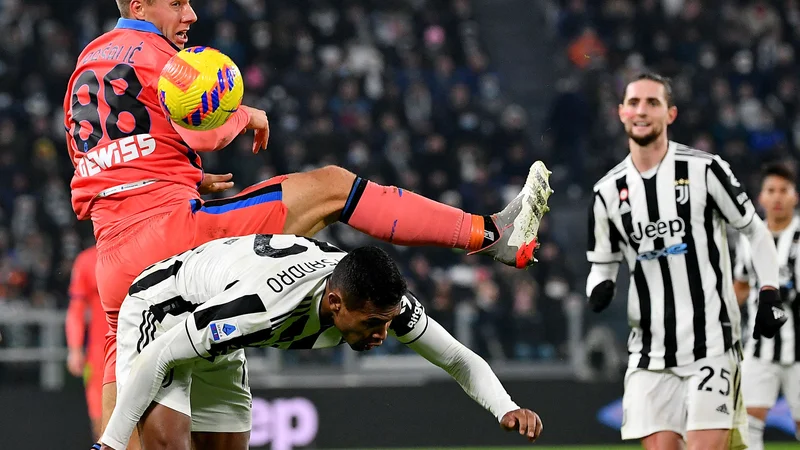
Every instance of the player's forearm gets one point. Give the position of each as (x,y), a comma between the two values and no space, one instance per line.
(764,255)
(468,369)
(144,382)
(218,138)
(75,325)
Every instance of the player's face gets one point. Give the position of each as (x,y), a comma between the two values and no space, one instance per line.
(364,329)
(172,17)
(778,197)
(644,111)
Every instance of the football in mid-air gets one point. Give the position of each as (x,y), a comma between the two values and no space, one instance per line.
(200,87)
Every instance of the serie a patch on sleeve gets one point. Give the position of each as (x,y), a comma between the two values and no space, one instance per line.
(223,330)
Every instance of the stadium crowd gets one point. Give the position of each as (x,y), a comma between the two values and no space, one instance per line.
(400,92)
(733,64)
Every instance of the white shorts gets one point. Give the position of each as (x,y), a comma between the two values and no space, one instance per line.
(763,380)
(698,396)
(216,395)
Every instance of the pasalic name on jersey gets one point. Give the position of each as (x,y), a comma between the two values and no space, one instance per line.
(112,51)
(289,276)
(123,150)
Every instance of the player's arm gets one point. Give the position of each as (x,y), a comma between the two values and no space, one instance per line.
(431,341)
(245,118)
(147,373)
(202,334)
(75,326)
(737,209)
(604,253)
(741,271)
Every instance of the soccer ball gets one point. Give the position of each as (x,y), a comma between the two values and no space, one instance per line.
(199,88)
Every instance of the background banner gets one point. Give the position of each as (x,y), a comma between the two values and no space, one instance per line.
(436,414)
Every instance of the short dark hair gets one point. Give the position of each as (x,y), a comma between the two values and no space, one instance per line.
(652,76)
(368,275)
(778,169)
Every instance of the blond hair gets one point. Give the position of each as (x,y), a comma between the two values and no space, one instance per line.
(125,7)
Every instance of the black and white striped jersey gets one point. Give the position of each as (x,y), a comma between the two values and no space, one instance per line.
(784,348)
(669,226)
(252,291)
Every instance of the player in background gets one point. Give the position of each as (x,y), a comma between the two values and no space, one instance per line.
(772,365)
(139,179)
(85,357)
(186,320)
(664,210)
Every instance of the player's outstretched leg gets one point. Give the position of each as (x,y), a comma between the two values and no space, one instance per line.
(318,198)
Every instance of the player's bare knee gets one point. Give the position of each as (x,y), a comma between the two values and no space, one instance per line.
(662,440)
(315,199)
(708,440)
(323,185)
(337,180)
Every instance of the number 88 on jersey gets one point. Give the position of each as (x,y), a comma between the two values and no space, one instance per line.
(199,88)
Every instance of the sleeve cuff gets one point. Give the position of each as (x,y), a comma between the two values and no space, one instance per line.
(603,258)
(507,407)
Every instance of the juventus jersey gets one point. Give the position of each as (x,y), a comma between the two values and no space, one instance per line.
(670,230)
(784,348)
(252,291)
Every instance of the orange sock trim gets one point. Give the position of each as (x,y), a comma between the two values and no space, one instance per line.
(476,233)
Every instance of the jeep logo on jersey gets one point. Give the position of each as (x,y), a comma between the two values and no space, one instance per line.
(660,229)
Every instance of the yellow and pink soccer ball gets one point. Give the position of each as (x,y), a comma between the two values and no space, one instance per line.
(200,88)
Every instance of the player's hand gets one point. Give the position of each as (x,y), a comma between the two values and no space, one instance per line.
(76,361)
(601,296)
(259,123)
(215,183)
(525,421)
(770,315)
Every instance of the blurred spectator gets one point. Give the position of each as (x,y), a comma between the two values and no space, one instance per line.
(587,49)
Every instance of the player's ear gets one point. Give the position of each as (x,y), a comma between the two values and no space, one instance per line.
(136,9)
(672,114)
(335,302)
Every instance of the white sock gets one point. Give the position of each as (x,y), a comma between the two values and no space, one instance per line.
(756,428)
